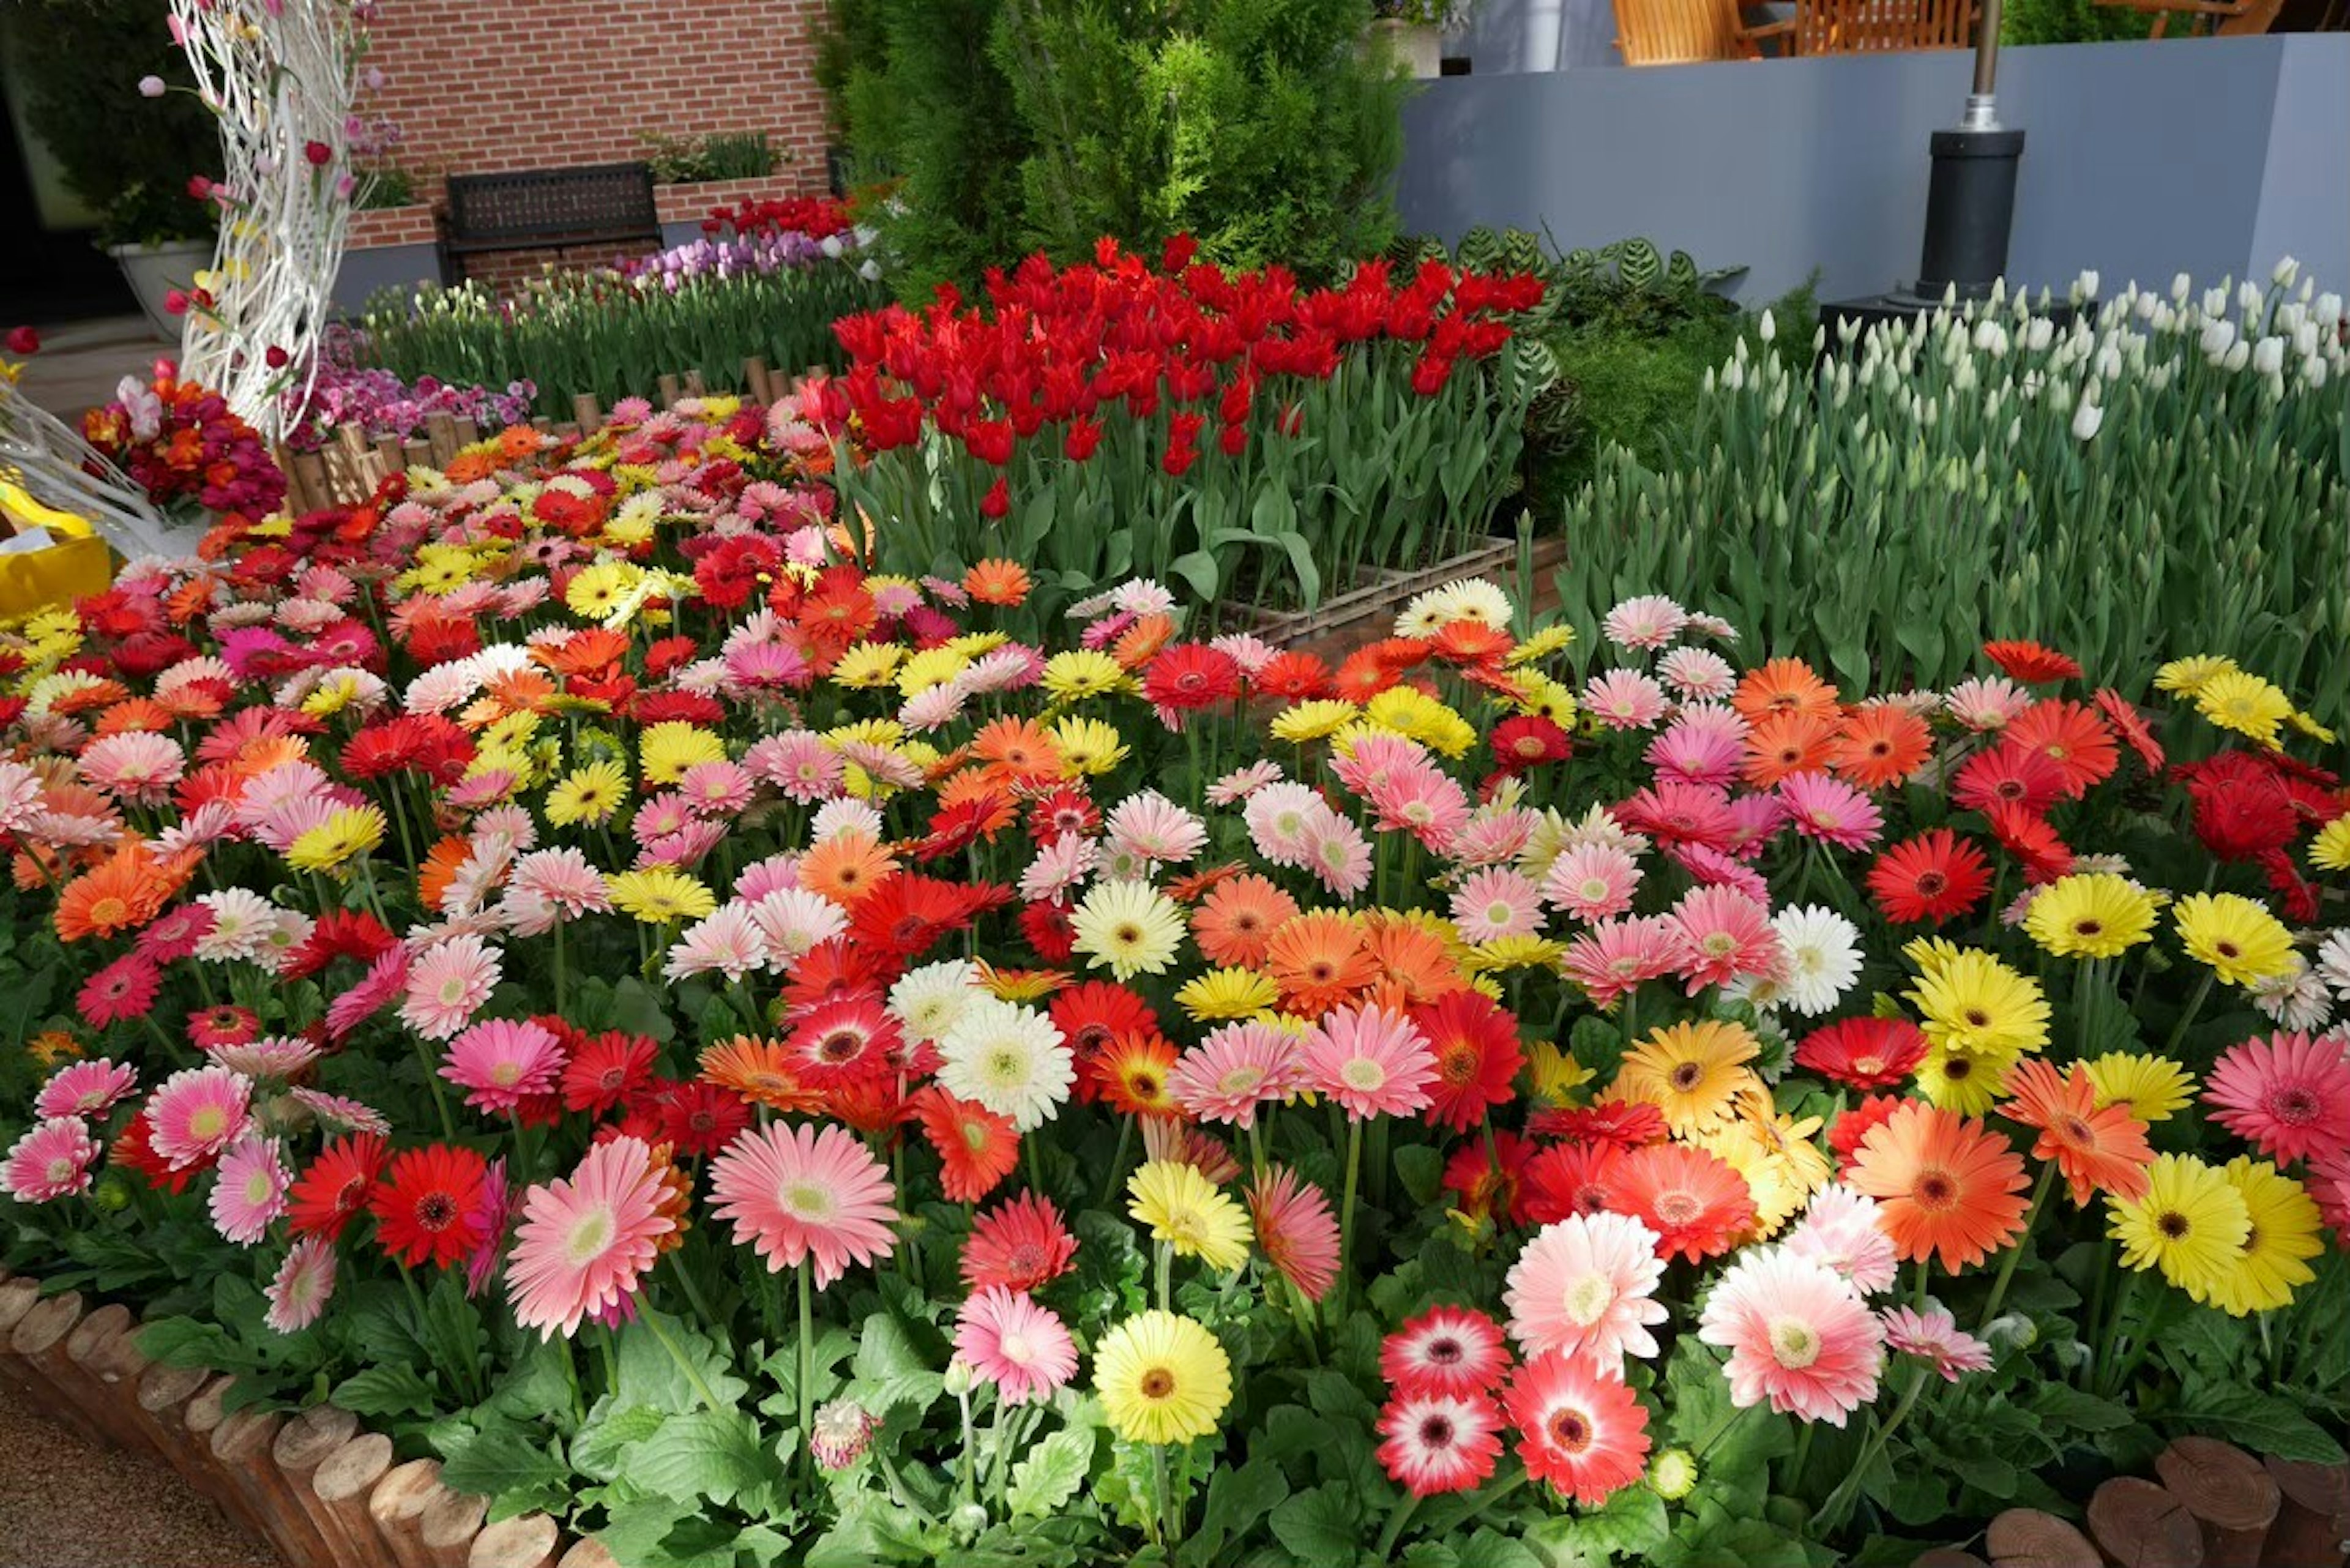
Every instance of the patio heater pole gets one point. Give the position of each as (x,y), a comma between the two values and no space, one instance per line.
(1970,201)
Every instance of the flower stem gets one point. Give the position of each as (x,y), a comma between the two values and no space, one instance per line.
(2194,1005)
(2007,1265)
(433,1082)
(1117,1161)
(676,1352)
(1834,1511)
(1398,1517)
(1347,1222)
(807,1361)
(1166,1273)
(1168,1528)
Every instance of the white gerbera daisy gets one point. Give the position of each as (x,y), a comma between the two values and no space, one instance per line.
(1823,956)
(1009,1058)
(2298,999)
(932,1000)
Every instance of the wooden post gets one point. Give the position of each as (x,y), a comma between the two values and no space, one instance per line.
(17,1297)
(418,454)
(242,1445)
(2233,1499)
(390,457)
(398,1506)
(2137,1524)
(355,478)
(304,1444)
(755,376)
(2312,1518)
(568,433)
(448,1524)
(468,432)
(693,385)
(2028,1538)
(161,1396)
(314,482)
(440,434)
(200,1417)
(669,391)
(587,1552)
(1946,1557)
(587,411)
(343,1483)
(85,1347)
(39,1345)
(525,1540)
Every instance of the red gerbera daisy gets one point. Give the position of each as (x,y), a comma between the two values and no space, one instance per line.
(1864,1053)
(1019,1244)
(1130,1075)
(906,913)
(428,1205)
(852,1040)
(1049,930)
(1293,677)
(833,970)
(1477,1056)
(1572,1179)
(697,1117)
(1851,1127)
(1447,1350)
(131,1151)
(223,1024)
(2027,836)
(332,1191)
(976,1147)
(1698,1205)
(2071,736)
(1932,877)
(1091,1015)
(605,1069)
(2124,716)
(2031,663)
(1529,741)
(1627,1123)
(1578,1429)
(1484,1190)
(2010,774)
(1191,675)
(1438,1442)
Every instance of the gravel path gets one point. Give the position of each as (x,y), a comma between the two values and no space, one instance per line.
(65,1503)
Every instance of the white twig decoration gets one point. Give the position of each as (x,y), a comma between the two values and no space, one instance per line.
(61,470)
(278,75)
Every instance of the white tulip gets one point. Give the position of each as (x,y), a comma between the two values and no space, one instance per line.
(2180,286)
(2328,309)
(2268,355)
(2109,363)
(2037,334)
(2313,372)
(2014,430)
(1768,327)
(2086,286)
(2215,301)
(2217,336)
(2237,357)
(2248,298)
(2305,338)
(2284,272)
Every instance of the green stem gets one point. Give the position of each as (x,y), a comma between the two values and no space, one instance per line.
(2194,1005)
(1165,1516)
(1495,1495)
(969,1462)
(808,1359)
(652,1320)
(2007,1265)
(1347,1222)
(1165,1269)
(433,1082)
(1117,1161)
(1398,1517)
(1834,1511)
(562,971)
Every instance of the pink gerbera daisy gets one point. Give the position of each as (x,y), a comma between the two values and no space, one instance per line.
(1374,1063)
(2289,1095)
(1496,903)
(1935,1337)
(563,881)
(727,941)
(305,1284)
(1339,855)
(1586,1287)
(1278,817)
(1724,934)
(386,978)
(1294,1228)
(1616,957)
(1704,745)
(1593,881)
(504,1062)
(1624,700)
(1155,828)
(585,1242)
(717,789)
(1840,1229)
(1237,1067)
(1987,703)
(51,1160)
(1242,783)
(1798,1336)
(196,1113)
(249,1191)
(1008,1340)
(801,1194)
(800,764)
(1447,1350)
(340,1113)
(447,985)
(136,767)
(1823,806)
(1697,674)
(123,989)
(1438,1442)
(1578,1429)
(1650,621)
(1423,801)
(88,1088)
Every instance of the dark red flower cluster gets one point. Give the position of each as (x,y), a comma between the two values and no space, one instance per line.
(817,217)
(181,442)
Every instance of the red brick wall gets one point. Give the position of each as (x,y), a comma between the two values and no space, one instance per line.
(479,86)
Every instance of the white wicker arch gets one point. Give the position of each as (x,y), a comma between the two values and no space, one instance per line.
(279,76)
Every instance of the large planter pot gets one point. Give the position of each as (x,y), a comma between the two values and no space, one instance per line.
(1418,44)
(155,271)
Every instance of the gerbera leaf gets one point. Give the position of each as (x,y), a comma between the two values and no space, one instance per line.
(1051,1472)
(713,1454)
(393,1390)
(2263,1423)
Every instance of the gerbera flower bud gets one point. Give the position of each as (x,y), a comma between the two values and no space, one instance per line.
(840,1434)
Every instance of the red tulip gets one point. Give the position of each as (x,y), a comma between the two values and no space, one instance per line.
(23,340)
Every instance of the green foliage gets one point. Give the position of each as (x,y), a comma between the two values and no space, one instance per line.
(1259,127)
(699,159)
(128,156)
(2070,22)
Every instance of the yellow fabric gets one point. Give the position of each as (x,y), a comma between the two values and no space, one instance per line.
(78,566)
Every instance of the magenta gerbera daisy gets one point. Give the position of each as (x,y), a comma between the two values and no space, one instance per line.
(1438,1442)
(196,1113)
(586,1240)
(1822,806)
(806,1194)
(1374,1063)
(51,1160)
(1007,1339)
(2289,1095)
(1445,1350)
(86,1089)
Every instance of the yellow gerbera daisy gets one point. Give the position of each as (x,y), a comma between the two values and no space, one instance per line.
(350,832)
(931,667)
(2239,700)
(2151,1088)
(1223,994)
(1313,720)
(2091,915)
(1690,1072)
(1088,745)
(1161,1379)
(1129,927)
(2236,936)
(659,896)
(666,750)
(1081,672)
(1187,1212)
(2330,850)
(1964,1082)
(1555,1075)
(2191,1225)
(1542,644)
(600,589)
(1974,1004)
(589,794)
(2188,676)
(869,664)
(1514,952)
(2274,1259)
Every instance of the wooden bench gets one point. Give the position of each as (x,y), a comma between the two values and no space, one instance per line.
(605,204)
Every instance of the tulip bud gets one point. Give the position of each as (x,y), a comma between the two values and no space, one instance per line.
(2236,357)
(2284,272)
(2179,286)
(2219,335)
(2268,355)
(2215,300)
(152,87)
(1767,328)
(2327,310)
(2248,298)
(2086,419)
(2313,372)
(2038,333)
(2088,283)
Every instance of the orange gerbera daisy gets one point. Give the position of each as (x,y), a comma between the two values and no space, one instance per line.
(1695,1201)
(997,582)
(2096,1151)
(1413,962)
(1234,926)
(760,1071)
(441,863)
(90,698)
(142,715)
(590,652)
(1881,745)
(1138,644)
(976,1147)
(844,867)
(1319,961)
(190,598)
(1782,686)
(1131,1072)
(1019,750)
(193,700)
(1948,1187)
(2072,736)
(1189,890)
(521,691)
(1472,642)
(121,893)
(1021,984)
(1789,741)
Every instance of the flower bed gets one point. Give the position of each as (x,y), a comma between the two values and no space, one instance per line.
(759,1059)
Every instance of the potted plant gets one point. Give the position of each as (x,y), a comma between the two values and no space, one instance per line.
(160,239)
(1413,30)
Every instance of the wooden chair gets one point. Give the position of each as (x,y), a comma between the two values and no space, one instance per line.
(1882,26)
(1684,32)
(2221,18)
